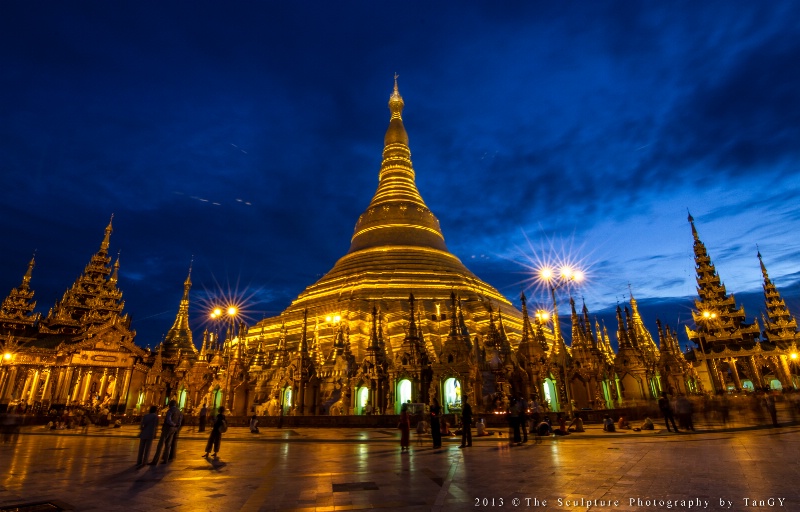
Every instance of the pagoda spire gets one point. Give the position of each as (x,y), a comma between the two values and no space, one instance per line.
(718,319)
(179,337)
(16,312)
(779,324)
(85,304)
(397,214)
(303,349)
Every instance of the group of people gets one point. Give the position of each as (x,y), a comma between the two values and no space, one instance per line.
(437,427)
(170,430)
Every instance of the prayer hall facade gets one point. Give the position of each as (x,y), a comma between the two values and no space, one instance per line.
(397,320)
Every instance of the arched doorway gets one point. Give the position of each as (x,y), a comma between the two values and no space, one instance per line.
(362,399)
(404,391)
(216,401)
(287,400)
(550,395)
(452,395)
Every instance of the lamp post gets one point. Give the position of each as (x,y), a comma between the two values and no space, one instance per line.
(566,276)
(219,315)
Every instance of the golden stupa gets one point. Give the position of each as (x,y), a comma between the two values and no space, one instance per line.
(397,249)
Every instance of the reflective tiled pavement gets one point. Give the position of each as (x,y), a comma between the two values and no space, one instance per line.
(351,469)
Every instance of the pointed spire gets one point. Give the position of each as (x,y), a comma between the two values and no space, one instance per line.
(303,339)
(26,279)
(397,214)
(16,312)
(779,324)
(412,325)
(694,230)
(114,279)
(179,337)
(107,238)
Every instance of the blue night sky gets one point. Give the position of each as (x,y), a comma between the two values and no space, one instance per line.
(249,135)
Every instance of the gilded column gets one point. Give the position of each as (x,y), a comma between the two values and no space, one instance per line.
(8,389)
(76,389)
(23,397)
(34,385)
(47,385)
(125,388)
(101,392)
(735,373)
(86,384)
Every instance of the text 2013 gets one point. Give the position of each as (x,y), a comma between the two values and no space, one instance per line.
(488,502)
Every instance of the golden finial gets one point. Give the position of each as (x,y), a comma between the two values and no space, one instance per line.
(396,103)
(107,237)
(694,230)
(188,281)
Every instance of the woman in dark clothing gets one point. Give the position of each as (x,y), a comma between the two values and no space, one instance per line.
(436,428)
(220,426)
(405,428)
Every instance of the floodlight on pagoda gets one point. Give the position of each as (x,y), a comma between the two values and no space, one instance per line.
(793,355)
(7,356)
(232,311)
(542,315)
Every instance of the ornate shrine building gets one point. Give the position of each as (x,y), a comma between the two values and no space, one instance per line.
(732,354)
(398,319)
(83,351)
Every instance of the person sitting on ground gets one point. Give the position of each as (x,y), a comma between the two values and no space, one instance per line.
(423,427)
(576,425)
(562,426)
(622,424)
(608,424)
(481,428)
(445,428)
(254,424)
(544,428)
(647,424)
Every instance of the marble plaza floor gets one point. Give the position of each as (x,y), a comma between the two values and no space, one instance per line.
(743,468)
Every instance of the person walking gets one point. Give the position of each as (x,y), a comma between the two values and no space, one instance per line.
(769,404)
(168,429)
(405,428)
(203,418)
(147,434)
(666,411)
(436,427)
(178,419)
(219,428)
(466,424)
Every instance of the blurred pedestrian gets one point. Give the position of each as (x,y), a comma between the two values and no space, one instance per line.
(168,429)
(769,405)
(466,424)
(666,410)
(685,412)
(178,419)
(405,428)
(219,428)
(148,433)
(203,417)
(436,427)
